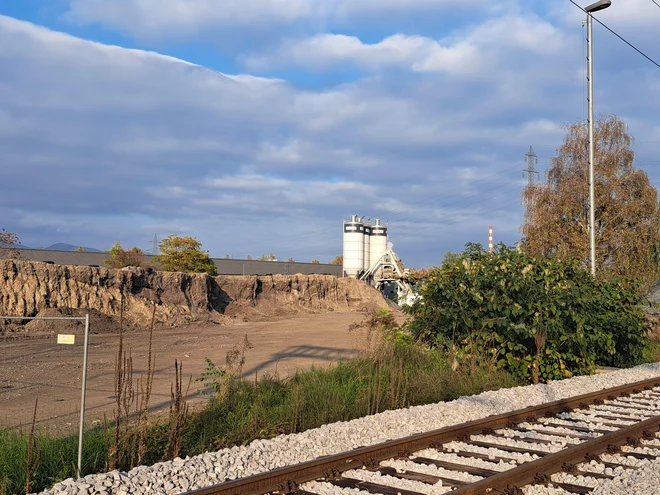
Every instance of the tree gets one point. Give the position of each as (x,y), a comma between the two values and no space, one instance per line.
(339,260)
(291,260)
(81,249)
(316,262)
(541,318)
(8,243)
(627,214)
(451,257)
(184,254)
(120,258)
(267,257)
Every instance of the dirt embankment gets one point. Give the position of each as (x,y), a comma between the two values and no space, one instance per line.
(32,288)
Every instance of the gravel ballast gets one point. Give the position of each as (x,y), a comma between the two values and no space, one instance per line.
(182,475)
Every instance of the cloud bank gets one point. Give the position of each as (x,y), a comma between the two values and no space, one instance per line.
(102,143)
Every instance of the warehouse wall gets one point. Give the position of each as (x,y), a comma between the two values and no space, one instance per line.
(225,267)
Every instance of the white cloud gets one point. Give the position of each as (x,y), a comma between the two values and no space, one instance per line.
(171,18)
(412,52)
(289,193)
(185,17)
(493,45)
(248,182)
(355,7)
(107,142)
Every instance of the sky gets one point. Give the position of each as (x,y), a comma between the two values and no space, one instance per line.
(256,126)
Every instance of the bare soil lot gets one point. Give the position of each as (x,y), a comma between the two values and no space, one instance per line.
(37,367)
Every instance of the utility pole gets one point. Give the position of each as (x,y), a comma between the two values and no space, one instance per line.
(590,98)
(531,160)
(594,7)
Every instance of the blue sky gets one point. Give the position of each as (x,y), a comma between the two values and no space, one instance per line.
(256,126)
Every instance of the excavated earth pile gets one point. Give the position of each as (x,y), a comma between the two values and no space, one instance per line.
(283,295)
(39,289)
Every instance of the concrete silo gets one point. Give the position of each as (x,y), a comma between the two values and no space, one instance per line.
(353,247)
(367,246)
(378,242)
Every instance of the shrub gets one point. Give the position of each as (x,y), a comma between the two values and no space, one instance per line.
(120,257)
(184,254)
(8,243)
(541,318)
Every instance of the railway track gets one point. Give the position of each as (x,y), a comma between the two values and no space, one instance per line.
(571,444)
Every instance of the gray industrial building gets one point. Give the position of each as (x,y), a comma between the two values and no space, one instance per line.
(225,266)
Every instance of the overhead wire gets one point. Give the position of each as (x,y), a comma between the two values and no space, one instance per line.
(618,35)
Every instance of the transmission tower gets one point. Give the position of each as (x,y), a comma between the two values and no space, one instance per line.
(531,160)
(154,245)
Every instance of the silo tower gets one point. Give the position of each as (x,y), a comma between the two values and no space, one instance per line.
(354,246)
(378,241)
(367,246)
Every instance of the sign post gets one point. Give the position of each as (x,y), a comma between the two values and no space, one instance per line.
(69,340)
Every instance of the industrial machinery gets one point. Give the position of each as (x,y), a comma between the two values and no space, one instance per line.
(367,257)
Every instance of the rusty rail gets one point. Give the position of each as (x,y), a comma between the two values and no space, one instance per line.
(287,479)
(541,469)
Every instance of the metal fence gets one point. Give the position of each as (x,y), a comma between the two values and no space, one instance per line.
(27,371)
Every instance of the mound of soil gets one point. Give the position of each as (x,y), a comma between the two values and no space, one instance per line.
(98,322)
(275,296)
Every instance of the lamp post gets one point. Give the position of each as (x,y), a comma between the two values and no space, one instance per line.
(594,7)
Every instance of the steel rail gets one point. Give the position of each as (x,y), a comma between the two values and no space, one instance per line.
(287,479)
(539,471)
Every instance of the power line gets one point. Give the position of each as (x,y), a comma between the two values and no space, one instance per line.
(658,4)
(619,36)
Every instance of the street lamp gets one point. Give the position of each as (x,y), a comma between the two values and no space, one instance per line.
(594,7)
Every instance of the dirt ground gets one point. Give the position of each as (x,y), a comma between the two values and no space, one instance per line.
(37,367)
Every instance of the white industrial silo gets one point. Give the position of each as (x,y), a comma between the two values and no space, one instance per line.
(378,240)
(367,246)
(353,246)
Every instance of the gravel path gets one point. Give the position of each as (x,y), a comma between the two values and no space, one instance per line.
(262,455)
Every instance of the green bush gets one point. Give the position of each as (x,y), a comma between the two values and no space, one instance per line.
(540,318)
(184,254)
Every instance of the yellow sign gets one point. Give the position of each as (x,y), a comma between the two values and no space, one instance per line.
(66,339)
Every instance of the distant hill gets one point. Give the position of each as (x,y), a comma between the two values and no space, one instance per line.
(17,246)
(62,246)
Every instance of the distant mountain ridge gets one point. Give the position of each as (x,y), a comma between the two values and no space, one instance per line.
(63,246)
